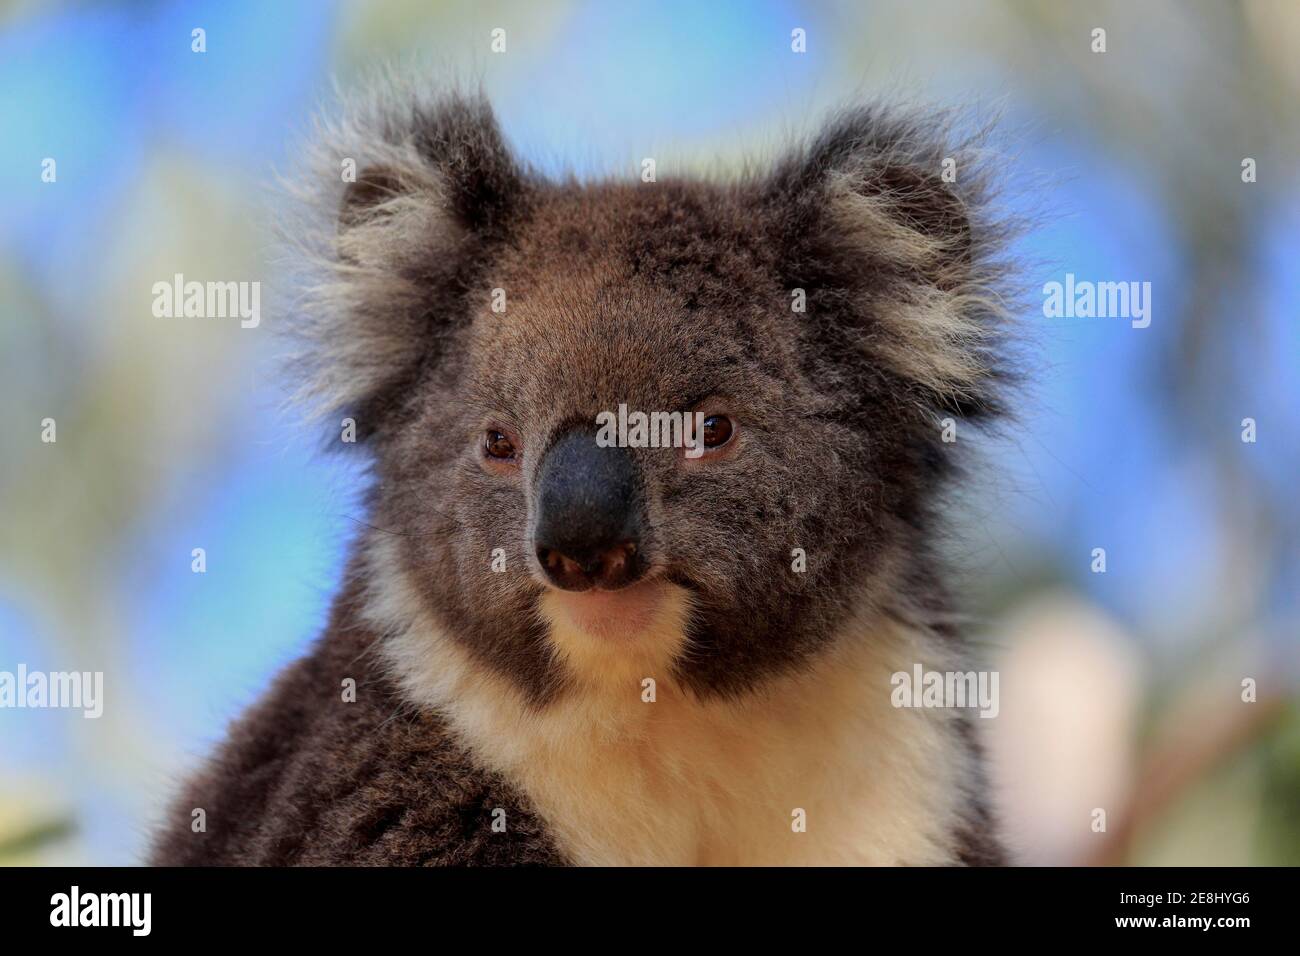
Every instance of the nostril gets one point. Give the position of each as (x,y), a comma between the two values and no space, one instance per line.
(617,564)
(563,570)
(611,568)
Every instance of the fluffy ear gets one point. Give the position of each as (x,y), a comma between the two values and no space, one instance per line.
(411,197)
(898,261)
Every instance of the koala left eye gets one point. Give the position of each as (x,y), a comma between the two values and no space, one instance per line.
(498,445)
(717,431)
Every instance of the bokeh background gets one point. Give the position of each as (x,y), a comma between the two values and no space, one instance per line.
(1120,690)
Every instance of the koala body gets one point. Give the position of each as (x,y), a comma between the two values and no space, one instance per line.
(566,652)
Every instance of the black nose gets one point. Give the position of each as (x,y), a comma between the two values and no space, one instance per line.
(588,523)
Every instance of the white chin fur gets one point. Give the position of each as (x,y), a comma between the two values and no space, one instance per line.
(677,780)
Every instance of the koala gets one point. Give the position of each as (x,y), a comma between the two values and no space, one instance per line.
(569,651)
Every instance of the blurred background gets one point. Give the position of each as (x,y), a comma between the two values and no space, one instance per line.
(1119,690)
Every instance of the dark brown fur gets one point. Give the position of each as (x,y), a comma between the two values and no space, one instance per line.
(309,779)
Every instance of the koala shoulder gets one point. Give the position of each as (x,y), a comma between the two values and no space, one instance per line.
(308,777)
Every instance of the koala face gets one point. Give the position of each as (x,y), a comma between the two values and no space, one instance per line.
(819,320)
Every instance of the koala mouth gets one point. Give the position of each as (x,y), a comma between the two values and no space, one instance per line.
(624,613)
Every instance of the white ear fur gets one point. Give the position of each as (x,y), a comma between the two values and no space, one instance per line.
(378,237)
(919,260)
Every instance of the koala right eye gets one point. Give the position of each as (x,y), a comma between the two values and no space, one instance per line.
(498,445)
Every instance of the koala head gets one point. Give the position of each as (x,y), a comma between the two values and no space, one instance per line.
(821,319)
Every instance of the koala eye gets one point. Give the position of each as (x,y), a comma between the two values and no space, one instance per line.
(717,431)
(497,445)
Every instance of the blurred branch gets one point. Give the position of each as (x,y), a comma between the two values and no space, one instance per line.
(1175,766)
(35,837)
